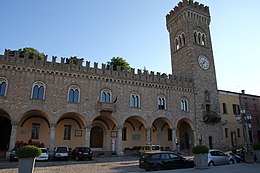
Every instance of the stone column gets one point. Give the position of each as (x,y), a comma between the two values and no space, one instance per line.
(120,151)
(87,135)
(174,146)
(148,135)
(13,135)
(12,138)
(52,137)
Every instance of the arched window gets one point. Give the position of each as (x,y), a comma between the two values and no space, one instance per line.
(161,102)
(3,86)
(38,90)
(203,40)
(135,100)
(183,39)
(195,37)
(180,41)
(199,38)
(106,96)
(184,104)
(73,94)
(177,44)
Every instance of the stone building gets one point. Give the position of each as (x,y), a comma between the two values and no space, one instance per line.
(69,103)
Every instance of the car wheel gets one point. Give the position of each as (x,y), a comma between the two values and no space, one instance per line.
(158,168)
(231,161)
(77,158)
(147,169)
(211,163)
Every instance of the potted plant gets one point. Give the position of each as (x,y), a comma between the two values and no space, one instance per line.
(26,156)
(200,156)
(257,152)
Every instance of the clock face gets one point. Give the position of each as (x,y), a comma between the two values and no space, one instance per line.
(203,62)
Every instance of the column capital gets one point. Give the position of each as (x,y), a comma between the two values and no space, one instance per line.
(53,125)
(13,123)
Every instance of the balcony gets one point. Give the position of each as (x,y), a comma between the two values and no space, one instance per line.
(105,107)
(211,117)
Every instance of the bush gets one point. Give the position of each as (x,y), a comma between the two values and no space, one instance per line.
(256,147)
(28,152)
(200,149)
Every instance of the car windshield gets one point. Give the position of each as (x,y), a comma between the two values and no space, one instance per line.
(84,149)
(44,150)
(61,149)
(155,147)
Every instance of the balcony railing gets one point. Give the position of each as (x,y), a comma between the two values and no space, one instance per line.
(106,107)
(211,117)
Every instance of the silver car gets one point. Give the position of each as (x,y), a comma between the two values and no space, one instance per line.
(218,157)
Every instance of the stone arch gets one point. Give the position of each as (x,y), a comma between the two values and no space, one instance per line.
(71,129)
(33,128)
(161,132)
(5,131)
(185,135)
(134,131)
(103,127)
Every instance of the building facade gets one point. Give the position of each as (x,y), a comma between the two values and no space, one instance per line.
(52,103)
(233,132)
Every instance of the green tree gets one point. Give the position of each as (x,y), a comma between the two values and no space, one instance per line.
(74,60)
(32,52)
(119,61)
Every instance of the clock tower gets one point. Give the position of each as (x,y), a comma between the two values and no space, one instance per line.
(192,56)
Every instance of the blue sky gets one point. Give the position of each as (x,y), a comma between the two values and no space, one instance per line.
(98,30)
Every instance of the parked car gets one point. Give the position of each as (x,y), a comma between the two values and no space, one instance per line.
(13,155)
(61,153)
(148,148)
(218,157)
(163,160)
(81,153)
(44,155)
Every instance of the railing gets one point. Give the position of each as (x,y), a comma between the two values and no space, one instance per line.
(106,107)
(211,117)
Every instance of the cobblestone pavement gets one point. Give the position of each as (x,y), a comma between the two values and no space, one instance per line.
(119,165)
(106,164)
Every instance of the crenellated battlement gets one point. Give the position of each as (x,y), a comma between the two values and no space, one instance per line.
(76,68)
(182,6)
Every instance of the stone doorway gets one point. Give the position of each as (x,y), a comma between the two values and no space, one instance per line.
(96,137)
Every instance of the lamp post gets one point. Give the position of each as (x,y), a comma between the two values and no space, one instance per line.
(245,118)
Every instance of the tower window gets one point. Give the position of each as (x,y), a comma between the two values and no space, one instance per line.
(179,41)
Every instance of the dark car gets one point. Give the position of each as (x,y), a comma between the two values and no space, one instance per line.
(81,153)
(163,160)
(13,155)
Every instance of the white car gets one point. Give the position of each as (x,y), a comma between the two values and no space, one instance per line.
(61,153)
(44,155)
(218,157)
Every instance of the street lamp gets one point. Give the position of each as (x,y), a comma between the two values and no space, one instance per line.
(245,118)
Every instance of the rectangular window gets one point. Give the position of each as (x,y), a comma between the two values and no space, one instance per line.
(67,132)
(226,132)
(35,131)
(124,134)
(224,105)
(169,134)
(236,110)
(238,133)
